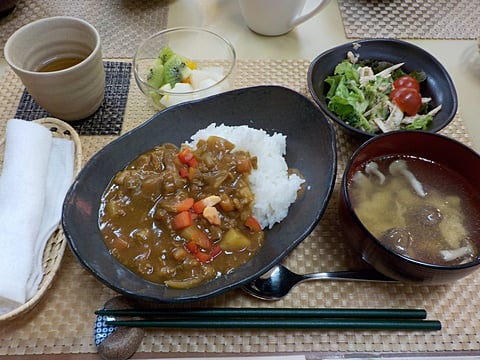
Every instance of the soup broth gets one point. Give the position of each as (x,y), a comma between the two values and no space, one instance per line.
(432,216)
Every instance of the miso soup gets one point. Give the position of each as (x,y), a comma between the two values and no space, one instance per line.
(418,208)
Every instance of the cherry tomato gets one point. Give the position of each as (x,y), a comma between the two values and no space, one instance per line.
(407,99)
(408,82)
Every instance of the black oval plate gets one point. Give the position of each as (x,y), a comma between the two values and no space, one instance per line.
(310,148)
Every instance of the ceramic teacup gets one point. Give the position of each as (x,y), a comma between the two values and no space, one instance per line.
(59,60)
(278,17)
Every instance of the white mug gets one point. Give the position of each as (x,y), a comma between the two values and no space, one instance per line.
(59,60)
(277,17)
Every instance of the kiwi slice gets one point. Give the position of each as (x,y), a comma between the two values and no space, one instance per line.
(155,74)
(156,98)
(165,54)
(175,70)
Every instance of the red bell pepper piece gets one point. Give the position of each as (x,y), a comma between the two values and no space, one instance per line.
(185,205)
(253,224)
(182,220)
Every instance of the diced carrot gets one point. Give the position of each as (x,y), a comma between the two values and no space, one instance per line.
(185,204)
(186,157)
(183,172)
(193,162)
(192,247)
(203,257)
(199,206)
(182,220)
(253,224)
(216,250)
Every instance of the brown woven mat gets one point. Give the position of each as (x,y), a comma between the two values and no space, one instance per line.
(63,321)
(411,19)
(121,24)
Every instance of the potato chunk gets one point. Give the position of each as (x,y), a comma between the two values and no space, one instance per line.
(234,240)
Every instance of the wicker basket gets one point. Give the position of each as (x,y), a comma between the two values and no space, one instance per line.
(55,247)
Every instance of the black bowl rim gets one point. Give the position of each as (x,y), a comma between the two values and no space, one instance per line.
(183,299)
(344,190)
(348,45)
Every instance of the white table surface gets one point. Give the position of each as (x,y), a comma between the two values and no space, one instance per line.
(461,58)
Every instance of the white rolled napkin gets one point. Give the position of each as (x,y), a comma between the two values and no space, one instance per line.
(37,172)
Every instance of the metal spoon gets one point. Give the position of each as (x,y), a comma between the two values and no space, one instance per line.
(278,282)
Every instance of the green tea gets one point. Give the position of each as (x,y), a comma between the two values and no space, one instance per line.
(57,64)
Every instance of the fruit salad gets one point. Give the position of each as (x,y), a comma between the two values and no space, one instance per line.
(174,79)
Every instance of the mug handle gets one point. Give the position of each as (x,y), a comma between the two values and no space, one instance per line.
(310,14)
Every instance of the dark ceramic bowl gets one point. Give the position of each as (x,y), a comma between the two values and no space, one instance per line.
(310,149)
(438,85)
(437,148)
(7,6)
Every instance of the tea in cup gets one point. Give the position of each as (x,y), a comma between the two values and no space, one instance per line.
(59,60)
(278,17)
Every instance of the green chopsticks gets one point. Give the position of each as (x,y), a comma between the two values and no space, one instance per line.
(364,324)
(271,312)
(271,318)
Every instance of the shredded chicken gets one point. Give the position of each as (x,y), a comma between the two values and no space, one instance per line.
(212,215)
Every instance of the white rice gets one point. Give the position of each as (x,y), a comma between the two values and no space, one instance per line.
(273,187)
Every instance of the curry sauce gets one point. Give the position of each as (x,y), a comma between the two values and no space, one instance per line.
(182,216)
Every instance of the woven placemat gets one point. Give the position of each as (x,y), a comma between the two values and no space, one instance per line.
(121,24)
(63,321)
(411,19)
(108,119)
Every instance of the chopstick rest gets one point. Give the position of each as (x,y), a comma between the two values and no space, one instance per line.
(112,342)
(37,171)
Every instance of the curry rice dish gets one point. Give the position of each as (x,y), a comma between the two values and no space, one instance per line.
(183,216)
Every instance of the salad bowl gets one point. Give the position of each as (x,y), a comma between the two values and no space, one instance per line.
(436,83)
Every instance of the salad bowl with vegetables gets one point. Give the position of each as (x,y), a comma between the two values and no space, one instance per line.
(375,86)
